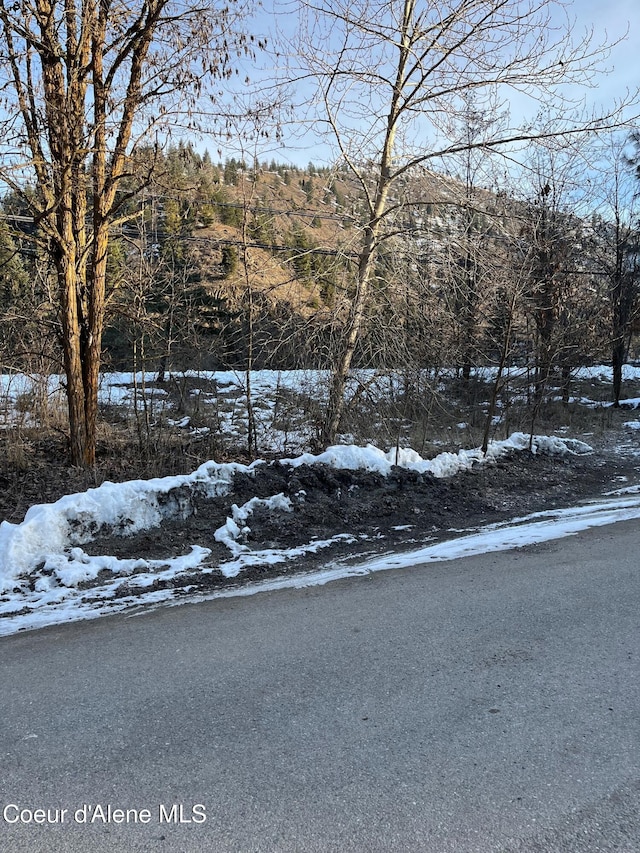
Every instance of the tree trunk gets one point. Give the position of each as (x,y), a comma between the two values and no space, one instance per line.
(92,354)
(504,355)
(72,364)
(618,359)
(377,209)
(71,290)
(566,384)
(335,406)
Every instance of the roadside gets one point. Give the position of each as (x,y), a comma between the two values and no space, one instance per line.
(234,528)
(372,513)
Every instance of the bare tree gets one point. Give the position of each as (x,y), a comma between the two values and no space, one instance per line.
(556,266)
(548,243)
(390,76)
(617,252)
(503,340)
(83,84)
(471,259)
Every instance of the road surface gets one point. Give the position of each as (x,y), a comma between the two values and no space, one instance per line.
(486,704)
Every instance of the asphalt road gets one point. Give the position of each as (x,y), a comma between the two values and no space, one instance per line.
(488,704)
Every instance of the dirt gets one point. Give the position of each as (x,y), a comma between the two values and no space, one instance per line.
(394,513)
(378,514)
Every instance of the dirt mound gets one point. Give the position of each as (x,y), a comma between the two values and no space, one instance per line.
(365,512)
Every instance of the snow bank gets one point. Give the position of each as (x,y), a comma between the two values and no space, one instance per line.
(371,458)
(77,567)
(52,530)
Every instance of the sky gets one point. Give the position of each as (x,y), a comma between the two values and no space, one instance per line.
(609,19)
(613,18)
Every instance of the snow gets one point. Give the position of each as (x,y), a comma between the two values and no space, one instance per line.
(282,426)
(604,373)
(530,530)
(236,526)
(46,577)
(50,529)
(272,556)
(373,459)
(119,387)
(181,423)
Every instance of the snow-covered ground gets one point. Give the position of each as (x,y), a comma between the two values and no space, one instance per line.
(115,387)
(220,398)
(47,578)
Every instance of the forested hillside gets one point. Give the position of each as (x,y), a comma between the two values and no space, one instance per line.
(226,265)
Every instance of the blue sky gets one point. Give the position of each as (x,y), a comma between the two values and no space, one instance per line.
(608,19)
(613,17)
